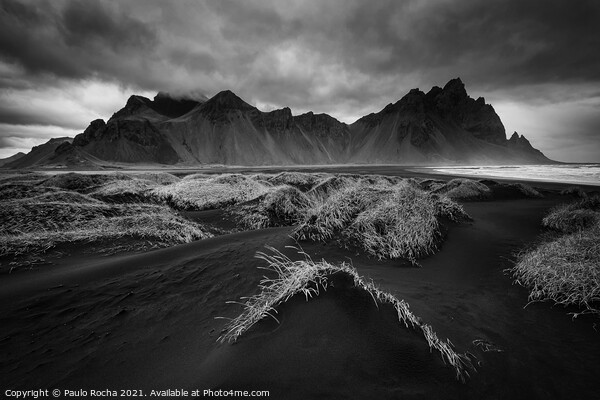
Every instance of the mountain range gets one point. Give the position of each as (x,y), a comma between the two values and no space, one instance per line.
(442,126)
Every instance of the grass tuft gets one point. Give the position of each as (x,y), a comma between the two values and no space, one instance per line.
(122,191)
(396,221)
(445,207)
(525,190)
(308,278)
(23,190)
(61,196)
(402,224)
(32,226)
(565,270)
(300,180)
(22,177)
(464,189)
(574,216)
(283,206)
(198,176)
(82,183)
(161,178)
(207,193)
(331,184)
(574,191)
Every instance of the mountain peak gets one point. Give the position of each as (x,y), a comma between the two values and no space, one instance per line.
(222,103)
(228,99)
(520,142)
(412,101)
(456,86)
(135,100)
(519,139)
(135,104)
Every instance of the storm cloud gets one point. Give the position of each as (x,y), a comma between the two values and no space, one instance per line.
(345,58)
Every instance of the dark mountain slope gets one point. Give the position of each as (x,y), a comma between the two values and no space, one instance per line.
(227,130)
(14,157)
(39,155)
(131,134)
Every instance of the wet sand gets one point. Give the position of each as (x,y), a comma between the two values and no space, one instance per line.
(147,321)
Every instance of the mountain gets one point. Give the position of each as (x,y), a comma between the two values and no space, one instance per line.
(444,125)
(39,155)
(14,157)
(222,130)
(227,130)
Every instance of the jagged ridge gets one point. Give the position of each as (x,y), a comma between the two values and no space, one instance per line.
(444,125)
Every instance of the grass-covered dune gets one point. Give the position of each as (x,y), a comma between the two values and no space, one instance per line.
(575,216)
(382,216)
(302,181)
(385,221)
(386,217)
(207,192)
(565,269)
(282,206)
(31,227)
(460,188)
(469,189)
(308,279)
(82,182)
(41,214)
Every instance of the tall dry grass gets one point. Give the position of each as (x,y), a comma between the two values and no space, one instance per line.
(402,224)
(301,180)
(575,216)
(35,227)
(331,184)
(36,217)
(574,191)
(126,191)
(565,270)
(386,221)
(308,278)
(81,182)
(22,177)
(464,189)
(24,190)
(212,192)
(282,206)
(161,178)
(524,189)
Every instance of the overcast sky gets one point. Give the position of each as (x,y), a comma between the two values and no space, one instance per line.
(65,63)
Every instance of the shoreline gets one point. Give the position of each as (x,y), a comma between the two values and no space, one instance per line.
(408,171)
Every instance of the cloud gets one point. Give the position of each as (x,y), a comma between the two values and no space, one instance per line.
(70,106)
(343,57)
(492,44)
(78,40)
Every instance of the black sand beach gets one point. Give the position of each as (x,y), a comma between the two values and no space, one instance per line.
(147,321)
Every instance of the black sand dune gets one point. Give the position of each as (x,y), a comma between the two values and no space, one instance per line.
(125,321)
(338,345)
(147,321)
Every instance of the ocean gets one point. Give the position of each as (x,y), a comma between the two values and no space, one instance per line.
(577,174)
